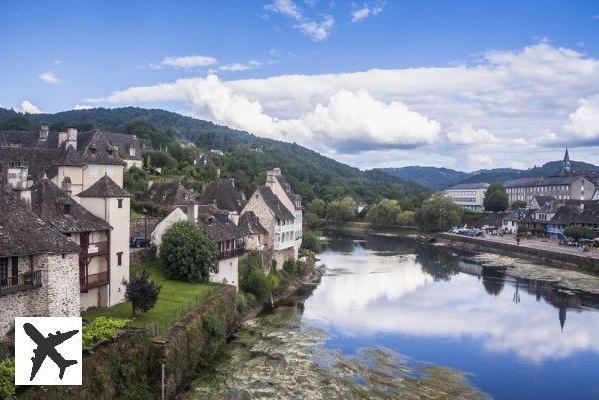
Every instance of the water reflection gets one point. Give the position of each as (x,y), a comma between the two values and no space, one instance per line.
(436,294)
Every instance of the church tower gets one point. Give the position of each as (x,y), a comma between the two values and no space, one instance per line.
(566,163)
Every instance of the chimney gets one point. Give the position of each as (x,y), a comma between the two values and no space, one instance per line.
(72,138)
(62,137)
(191,208)
(234,217)
(218,173)
(44,130)
(150,183)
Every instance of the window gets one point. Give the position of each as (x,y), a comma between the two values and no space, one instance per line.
(109,170)
(67,209)
(119,203)
(132,151)
(3,271)
(93,171)
(119,258)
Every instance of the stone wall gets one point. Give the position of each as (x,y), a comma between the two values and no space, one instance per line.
(280,256)
(267,220)
(228,272)
(141,255)
(57,297)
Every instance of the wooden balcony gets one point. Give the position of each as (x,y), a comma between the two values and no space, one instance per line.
(91,281)
(223,255)
(95,249)
(21,283)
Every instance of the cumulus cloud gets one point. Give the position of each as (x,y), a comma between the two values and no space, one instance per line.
(583,123)
(187,62)
(522,102)
(467,134)
(240,66)
(28,107)
(82,107)
(366,11)
(49,77)
(316,30)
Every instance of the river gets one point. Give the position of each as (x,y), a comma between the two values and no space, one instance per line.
(392,319)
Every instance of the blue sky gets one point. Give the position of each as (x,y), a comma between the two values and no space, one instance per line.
(463,84)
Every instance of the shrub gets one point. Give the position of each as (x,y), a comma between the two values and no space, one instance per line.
(311,241)
(101,330)
(7,379)
(290,268)
(187,253)
(578,232)
(141,291)
(384,213)
(438,214)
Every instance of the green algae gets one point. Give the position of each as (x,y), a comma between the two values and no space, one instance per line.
(278,357)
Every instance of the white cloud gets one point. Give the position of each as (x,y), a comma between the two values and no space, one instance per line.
(366,11)
(523,102)
(82,107)
(316,30)
(28,107)
(240,66)
(467,134)
(479,161)
(584,122)
(49,77)
(188,62)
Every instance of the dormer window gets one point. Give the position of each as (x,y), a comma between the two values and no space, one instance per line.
(67,209)
(132,151)
(93,150)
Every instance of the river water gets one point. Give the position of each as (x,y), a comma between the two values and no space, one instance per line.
(392,319)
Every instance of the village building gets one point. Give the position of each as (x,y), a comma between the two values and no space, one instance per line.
(254,234)
(166,195)
(223,194)
(129,147)
(69,168)
(469,196)
(279,211)
(39,274)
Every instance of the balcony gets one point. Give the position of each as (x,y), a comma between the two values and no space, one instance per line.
(93,249)
(91,281)
(21,283)
(223,255)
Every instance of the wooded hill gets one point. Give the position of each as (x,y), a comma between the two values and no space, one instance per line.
(246,157)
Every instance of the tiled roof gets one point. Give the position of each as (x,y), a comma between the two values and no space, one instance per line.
(463,186)
(104,187)
(96,149)
(223,194)
(24,233)
(39,161)
(249,223)
(48,201)
(589,214)
(542,181)
(216,224)
(125,142)
(273,202)
(166,194)
(295,198)
(542,200)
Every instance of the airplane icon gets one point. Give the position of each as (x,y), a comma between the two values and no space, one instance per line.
(46,347)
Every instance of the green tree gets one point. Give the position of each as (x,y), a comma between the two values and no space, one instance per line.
(187,253)
(406,218)
(318,207)
(496,199)
(159,159)
(311,241)
(578,232)
(141,292)
(384,213)
(518,204)
(438,214)
(340,211)
(135,180)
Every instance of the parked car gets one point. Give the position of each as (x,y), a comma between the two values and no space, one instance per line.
(139,241)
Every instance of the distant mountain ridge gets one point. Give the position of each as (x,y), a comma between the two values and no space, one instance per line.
(442,178)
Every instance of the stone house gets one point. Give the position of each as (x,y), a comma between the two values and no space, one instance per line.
(129,147)
(254,234)
(279,211)
(76,163)
(223,194)
(166,195)
(39,273)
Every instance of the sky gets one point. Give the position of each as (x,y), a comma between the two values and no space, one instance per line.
(458,84)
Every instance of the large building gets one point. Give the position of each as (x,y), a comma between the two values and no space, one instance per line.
(567,185)
(78,192)
(468,195)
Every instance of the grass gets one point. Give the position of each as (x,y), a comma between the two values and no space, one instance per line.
(174,295)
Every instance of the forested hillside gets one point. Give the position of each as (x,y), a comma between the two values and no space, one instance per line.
(430,177)
(246,157)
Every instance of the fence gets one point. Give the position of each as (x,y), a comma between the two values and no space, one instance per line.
(156,328)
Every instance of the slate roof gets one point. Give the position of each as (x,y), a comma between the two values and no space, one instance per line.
(166,194)
(295,198)
(48,201)
(216,224)
(589,215)
(39,161)
(125,141)
(542,200)
(564,215)
(104,187)
(541,181)
(249,223)
(96,149)
(464,186)
(24,233)
(223,194)
(275,205)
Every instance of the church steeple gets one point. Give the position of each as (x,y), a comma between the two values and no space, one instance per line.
(566,162)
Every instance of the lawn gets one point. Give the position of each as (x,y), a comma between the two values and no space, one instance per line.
(174,297)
